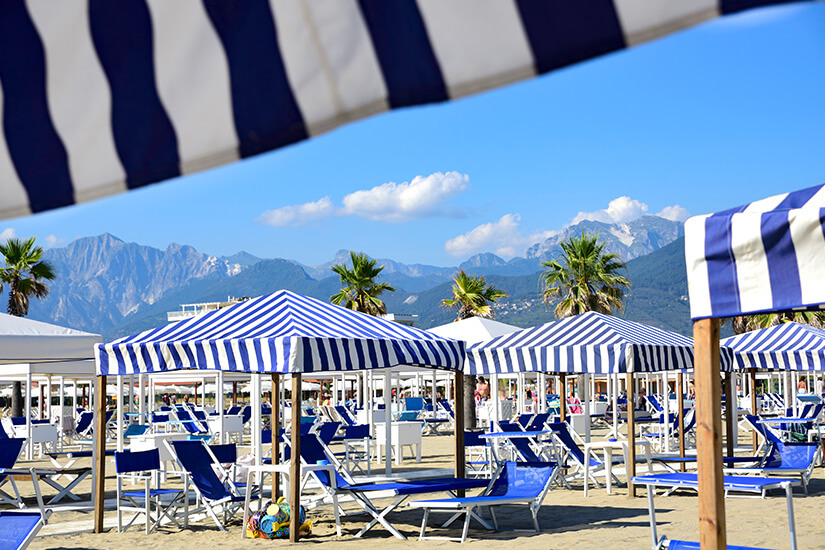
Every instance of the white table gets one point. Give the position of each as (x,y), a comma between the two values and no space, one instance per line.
(232,424)
(608,447)
(403,434)
(284,469)
(41,434)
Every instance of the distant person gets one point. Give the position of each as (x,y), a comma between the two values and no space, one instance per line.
(483,389)
(802,386)
(691,391)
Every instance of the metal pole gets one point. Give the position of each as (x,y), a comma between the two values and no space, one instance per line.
(753,407)
(680,396)
(388,423)
(275,423)
(631,437)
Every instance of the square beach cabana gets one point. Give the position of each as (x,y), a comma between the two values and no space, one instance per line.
(276,334)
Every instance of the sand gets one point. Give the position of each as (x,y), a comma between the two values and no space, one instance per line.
(567,518)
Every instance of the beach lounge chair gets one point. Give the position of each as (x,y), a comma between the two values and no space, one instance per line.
(189,423)
(571,452)
(345,416)
(326,431)
(143,465)
(313,452)
(784,459)
(515,484)
(357,448)
(479,459)
(19,528)
(218,497)
(10,449)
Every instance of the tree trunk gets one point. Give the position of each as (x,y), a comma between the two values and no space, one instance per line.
(469,402)
(17,399)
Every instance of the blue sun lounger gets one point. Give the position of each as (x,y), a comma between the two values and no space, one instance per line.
(18,528)
(738,484)
(313,452)
(515,484)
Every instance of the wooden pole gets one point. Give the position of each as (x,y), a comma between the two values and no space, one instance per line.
(631,437)
(295,460)
(730,413)
(753,407)
(234,393)
(680,381)
(275,424)
(100,453)
(460,466)
(563,397)
(712,526)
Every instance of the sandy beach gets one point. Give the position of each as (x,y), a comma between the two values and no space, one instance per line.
(567,519)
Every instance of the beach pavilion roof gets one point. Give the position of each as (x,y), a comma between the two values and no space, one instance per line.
(27,341)
(282,333)
(768,255)
(788,346)
(104,97)
(589,343)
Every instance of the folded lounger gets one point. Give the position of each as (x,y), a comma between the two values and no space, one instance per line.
(516,484)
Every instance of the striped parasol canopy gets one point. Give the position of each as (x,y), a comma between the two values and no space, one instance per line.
(282,333)
(788,346)
(103,97)
(589,343)
(765,256)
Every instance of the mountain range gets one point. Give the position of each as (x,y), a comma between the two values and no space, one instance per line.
(108,286)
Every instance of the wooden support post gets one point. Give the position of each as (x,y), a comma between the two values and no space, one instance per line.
(712,526)
(680,384)
(234,393)
(563,397)
(460,466)
(631,437)
(295,460)
(730,413)
(275,424)
(753,407)
(100,453)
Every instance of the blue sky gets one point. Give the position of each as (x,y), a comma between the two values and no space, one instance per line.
(718,115)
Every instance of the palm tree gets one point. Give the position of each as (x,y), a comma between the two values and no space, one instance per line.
(747,323)
(360,291)
(472,296)
(585,277)
(23,273)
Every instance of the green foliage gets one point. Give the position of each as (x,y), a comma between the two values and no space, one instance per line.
(24,274)
(473,296)
(360,291)
(584,278)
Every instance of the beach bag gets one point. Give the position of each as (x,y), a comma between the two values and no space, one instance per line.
(575,405)
(272,522)
(242,467)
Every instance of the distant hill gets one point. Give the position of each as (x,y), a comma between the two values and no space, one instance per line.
(115,288)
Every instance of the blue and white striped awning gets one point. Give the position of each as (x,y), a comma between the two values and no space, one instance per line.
(765,256)
(788,346)
(101,97)
(590,343)
(282,332)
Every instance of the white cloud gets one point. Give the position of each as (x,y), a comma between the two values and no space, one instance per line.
(8,233)
(299,214)
(53,240)
(503,237)
(619,210)
(422,197)
(674,213)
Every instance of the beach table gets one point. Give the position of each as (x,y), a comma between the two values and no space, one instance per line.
(608,446)
(738,484)
(403,434)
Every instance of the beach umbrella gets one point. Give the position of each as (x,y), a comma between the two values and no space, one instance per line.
(109,97)
(766,256)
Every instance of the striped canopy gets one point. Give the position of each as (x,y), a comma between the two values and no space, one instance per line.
(765,256)
(590,343)
(100,97)
(789,346)
(283,333)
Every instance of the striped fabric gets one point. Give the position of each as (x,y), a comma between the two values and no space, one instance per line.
(590,343)
(765,256)
(280,333)
(99,97)
(789,346)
